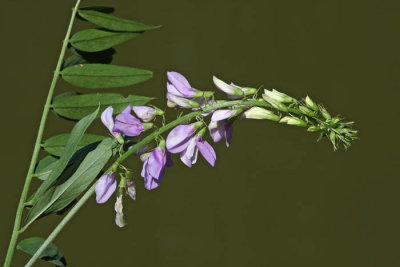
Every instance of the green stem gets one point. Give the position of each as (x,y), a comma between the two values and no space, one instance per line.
(186,118)
(28,179)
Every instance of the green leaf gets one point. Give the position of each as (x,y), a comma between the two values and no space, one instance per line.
(103,9)
(81,57)
(90,167)
(72,166)
(44,167)
(55,145)
(114,23)
(93,40)
(78,106)
(104,76)
(75,137)
(51,254)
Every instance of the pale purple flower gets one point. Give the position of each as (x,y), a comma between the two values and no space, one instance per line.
(178,139)
(196,144)
(154,168)
(144,113)
(221,129)
(178,85)
(223,114)
(128,124)
(108,121)
(105,187)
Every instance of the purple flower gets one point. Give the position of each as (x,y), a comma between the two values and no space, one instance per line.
(125,123)
(105,187)
(128,124)
(178,85)
(178,139)
(154,168)
(221,129)
(108,121)
(196,144)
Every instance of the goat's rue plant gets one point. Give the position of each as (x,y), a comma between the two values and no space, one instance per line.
(76,166)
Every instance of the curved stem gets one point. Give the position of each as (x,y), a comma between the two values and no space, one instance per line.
(28,179)
(186,118)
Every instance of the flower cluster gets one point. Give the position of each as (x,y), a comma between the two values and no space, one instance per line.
(189,138)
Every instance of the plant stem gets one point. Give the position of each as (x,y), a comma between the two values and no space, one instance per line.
(186,118)
(28,179)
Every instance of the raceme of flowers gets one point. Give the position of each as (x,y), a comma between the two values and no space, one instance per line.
(188,139)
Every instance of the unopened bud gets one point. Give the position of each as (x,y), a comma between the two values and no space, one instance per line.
(311,104)
(334,121)
(260,114)
(250,91)
(293,121)
(276,104)
(229,89)
(313,129)
(307,111)
(325,113)
(278,96)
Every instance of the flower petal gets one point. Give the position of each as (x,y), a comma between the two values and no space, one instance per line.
(107,119)
(206,150)
(222,114)
(105,187)
(228,133)
(172,90)
(180,83)
(217,130)
(178,139)
(189,155)
(156,162)
(128,124)
(127,110)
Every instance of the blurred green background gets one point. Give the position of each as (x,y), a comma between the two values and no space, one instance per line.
(276,197)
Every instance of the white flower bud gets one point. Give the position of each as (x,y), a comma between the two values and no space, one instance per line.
(293,121)
(311,104)
(278,96)
(229,89)
(260,114)
(275,103)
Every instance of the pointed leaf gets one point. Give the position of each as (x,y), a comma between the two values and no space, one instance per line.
(77,106)
(114,23)
(51,254)
(72,166)
(55,145)
(93,40)
(104,76)
(103,9)
(91,166)
(44,167)
(75,137)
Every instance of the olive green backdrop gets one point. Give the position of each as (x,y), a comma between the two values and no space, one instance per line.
(276,197)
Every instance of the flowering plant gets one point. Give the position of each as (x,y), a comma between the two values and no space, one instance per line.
(80,164)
